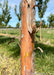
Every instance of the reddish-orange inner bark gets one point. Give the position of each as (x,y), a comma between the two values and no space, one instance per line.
(27,43)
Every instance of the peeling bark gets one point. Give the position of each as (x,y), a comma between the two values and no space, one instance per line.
(31,16)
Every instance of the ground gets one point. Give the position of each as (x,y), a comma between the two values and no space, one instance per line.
(10,53)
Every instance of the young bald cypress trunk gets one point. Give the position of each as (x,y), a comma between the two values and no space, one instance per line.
(27,35)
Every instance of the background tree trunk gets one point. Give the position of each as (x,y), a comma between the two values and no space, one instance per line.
(40,30)
(6,28)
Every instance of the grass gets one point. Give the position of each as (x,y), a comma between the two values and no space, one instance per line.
(11,31)
(10,54)
(9,57)
(47,35)
(45,62)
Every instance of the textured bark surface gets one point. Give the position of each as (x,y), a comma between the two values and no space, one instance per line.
(27,36)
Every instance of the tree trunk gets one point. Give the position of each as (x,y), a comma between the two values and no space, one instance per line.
(1,29)
(27,36)
(6,29)
(40,30)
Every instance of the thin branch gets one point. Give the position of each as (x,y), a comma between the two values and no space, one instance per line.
(19,45)
(36,5)
(38,27)
(39,49)
(13,40)
(37,30)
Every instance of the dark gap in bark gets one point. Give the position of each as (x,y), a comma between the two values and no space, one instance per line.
(28,5)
